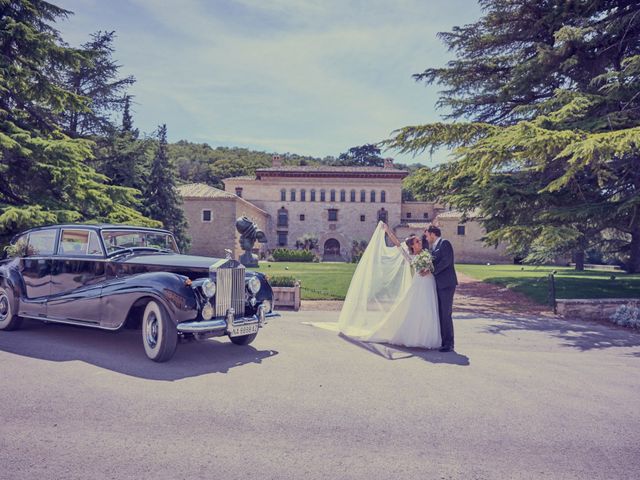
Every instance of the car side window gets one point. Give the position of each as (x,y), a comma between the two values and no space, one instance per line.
(42,242)
(19,248)
(79,242)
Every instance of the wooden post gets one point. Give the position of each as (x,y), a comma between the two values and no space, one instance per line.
(552,292)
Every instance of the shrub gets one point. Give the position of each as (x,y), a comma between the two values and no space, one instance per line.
(627,316)
(283,281)
(286,255)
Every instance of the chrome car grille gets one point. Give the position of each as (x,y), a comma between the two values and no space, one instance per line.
(230,291)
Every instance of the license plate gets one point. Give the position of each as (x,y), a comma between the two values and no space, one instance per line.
(241,330)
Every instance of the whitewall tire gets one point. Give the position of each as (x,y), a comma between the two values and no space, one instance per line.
(159,334)
(8,319)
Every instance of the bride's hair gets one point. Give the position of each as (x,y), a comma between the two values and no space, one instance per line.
(409,241)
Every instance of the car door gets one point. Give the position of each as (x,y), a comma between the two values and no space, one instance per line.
(77,275)
(35,268)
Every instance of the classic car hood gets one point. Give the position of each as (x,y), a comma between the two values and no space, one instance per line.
(174,260)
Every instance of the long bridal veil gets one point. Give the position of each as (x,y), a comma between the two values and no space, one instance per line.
(378,284)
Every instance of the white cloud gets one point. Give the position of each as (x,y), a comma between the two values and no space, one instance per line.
(308,77)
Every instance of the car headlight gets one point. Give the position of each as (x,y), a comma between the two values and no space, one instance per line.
(266,305)
(254,285)
(207,312)
(209,288)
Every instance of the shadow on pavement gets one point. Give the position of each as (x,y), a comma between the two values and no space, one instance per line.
(122,352)
(395,352)
(579,334)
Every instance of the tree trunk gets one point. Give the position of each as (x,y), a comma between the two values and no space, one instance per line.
(579,256)
(634,252)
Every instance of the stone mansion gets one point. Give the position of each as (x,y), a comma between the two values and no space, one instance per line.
(338,205)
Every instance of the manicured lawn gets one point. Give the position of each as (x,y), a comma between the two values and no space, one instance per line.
(319,281)
(533,281)
(330,281)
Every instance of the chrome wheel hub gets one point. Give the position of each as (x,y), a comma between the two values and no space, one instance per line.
(4,307)
(151,330)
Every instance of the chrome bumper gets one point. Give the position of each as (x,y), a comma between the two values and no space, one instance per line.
(223,324)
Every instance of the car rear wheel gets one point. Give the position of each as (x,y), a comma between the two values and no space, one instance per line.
(8,320)
(159,334)
(244,339)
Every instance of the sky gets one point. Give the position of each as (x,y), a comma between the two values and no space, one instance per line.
(313,77)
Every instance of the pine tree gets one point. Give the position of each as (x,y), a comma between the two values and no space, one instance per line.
(96,79)
(545,94)
(161,199)
(121,155)
(44,175)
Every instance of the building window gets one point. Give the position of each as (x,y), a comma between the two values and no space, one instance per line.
(362,218)
(343,196)
(383,196)
(323,196)
(283,195)
(333,215)
(353,195)
(282,239)
(373,196)
(239,191)
(283,217)
(302,217)
(426,216)
(206,215)
(303,195)
(333,195)
(408,214)
(382,215)
(313,195)
(461,230)
(293,195)
(363,196)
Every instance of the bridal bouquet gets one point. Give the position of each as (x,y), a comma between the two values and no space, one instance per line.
(423,261)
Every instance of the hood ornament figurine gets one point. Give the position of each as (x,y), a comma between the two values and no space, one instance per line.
(249,234)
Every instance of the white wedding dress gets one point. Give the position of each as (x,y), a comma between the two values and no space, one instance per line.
(386,303)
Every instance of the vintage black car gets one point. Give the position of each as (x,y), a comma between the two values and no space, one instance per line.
(115,276)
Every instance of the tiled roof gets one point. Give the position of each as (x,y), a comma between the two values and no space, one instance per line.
(241,177)
(415,224)
(323,170)
(454,214)
(201,190)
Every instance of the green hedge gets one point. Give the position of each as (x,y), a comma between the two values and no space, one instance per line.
(282,281)
(286,255)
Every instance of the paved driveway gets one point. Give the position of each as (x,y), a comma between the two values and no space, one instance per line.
(522,398)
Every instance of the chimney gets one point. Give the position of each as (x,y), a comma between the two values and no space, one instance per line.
(388,163)
(276,161)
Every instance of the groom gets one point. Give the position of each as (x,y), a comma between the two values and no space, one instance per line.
(446,281)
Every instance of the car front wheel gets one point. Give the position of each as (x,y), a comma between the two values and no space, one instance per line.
(8,319)
(159,334)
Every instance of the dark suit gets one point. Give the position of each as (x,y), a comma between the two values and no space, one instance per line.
(446,281)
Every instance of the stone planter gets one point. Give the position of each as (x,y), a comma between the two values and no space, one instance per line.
(593,309)
(287,297)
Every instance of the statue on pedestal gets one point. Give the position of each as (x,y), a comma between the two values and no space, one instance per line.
(249,234)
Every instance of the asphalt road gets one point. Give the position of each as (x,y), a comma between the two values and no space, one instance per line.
(522,398)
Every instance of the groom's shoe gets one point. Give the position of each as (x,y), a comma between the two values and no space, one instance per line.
(446,349)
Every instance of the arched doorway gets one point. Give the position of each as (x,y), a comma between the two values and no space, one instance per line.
(332,247)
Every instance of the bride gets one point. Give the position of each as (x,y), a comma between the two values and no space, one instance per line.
(385,302)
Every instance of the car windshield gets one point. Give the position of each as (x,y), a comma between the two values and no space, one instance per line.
(116,240)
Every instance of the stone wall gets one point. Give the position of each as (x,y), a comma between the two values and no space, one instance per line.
(469,248)
(593,309)
(416,211)
(211,238)
(349,226)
